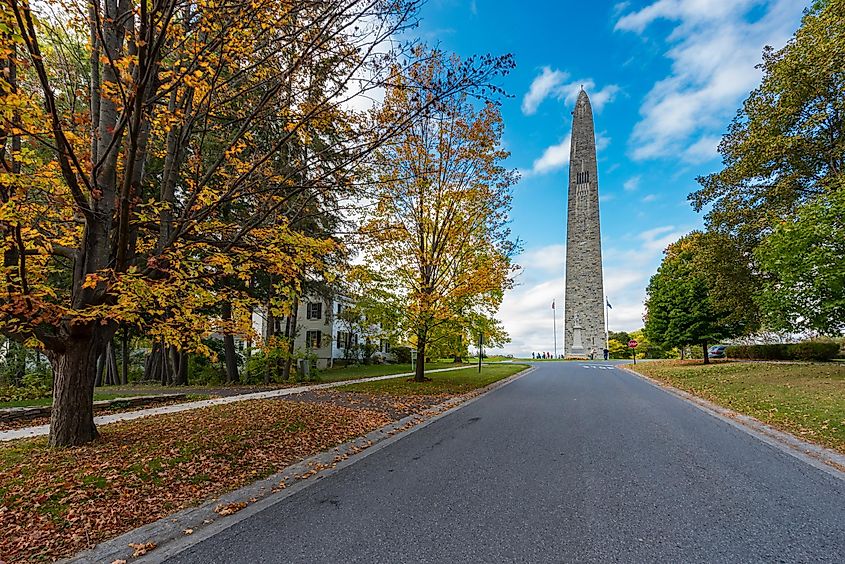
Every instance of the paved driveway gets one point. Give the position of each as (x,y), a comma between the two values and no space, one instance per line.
(571,463)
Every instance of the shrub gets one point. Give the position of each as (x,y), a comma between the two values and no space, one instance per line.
(776,351)
(808,350)
(403,354)
(815,350)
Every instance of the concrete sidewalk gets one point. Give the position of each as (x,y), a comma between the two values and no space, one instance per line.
(41,430)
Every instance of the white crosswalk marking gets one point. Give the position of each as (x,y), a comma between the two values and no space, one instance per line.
(597,366)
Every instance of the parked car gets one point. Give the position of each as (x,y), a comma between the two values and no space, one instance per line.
(717,351)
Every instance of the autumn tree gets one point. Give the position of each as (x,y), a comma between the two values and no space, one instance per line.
(438,228)
(148,156)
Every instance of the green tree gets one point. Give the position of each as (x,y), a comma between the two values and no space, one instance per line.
(688,303)
(618,349)
(786,145)
(622,338)
(804,256)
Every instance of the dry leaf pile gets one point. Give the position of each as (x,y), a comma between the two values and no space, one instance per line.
(58,502)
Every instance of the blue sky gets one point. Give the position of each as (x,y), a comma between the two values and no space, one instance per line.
(665,78)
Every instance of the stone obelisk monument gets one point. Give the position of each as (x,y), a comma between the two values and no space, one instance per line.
(584,329)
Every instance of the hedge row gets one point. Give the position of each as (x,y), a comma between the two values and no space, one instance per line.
(808,350)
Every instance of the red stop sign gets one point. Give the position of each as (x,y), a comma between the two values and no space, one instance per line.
(632,344)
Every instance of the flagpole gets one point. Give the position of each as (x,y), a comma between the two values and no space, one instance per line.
(554,325)
(607,322)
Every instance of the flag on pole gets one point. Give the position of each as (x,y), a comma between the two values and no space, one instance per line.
(608,303)
(553,304)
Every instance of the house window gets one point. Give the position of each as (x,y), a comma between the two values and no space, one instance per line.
(385,346)
(344,338)
(339,308)
(314,310)
(313,339)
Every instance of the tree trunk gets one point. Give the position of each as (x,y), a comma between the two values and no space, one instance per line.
(101,363)
(182,373)
(229,347)
(124,357)
(268,341)
(419,374)
(291,339)
(74,371)
(706,353)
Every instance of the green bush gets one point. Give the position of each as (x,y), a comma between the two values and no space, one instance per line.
(808,350)
(815,350)
(35,386)
(403,354)
(203,372)
(776,351)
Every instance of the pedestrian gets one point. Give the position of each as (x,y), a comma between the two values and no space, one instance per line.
(532,356)
(606,353)
(592,353)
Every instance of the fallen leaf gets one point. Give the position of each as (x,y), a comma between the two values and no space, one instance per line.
(141,548)
(229,508)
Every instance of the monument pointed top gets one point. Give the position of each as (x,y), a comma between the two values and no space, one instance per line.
(582,96)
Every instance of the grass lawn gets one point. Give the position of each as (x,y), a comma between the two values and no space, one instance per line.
(495,358)
(807,400)
(97,397)
(370,370)
(442,383)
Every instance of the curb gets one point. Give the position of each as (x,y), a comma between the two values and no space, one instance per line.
(168,533)
(825,459)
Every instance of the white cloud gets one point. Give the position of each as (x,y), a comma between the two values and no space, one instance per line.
(714,47)
(696,10)
(553,157)
(552,84)
(473,7)
(607,197)
(551,258)
(598,98)
(545,84)
(632,184)
(649,198)
(658,238)
(602,141)
(703,150)
(557,156)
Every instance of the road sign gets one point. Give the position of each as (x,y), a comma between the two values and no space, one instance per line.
(632,344)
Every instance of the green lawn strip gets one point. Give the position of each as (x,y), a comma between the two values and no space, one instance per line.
(807,400)
(97,397)
(496,358)
(451,383)
(371,370)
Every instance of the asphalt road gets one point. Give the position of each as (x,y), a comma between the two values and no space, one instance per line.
(567,464)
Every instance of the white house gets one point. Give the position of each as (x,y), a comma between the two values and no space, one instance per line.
(321,332)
